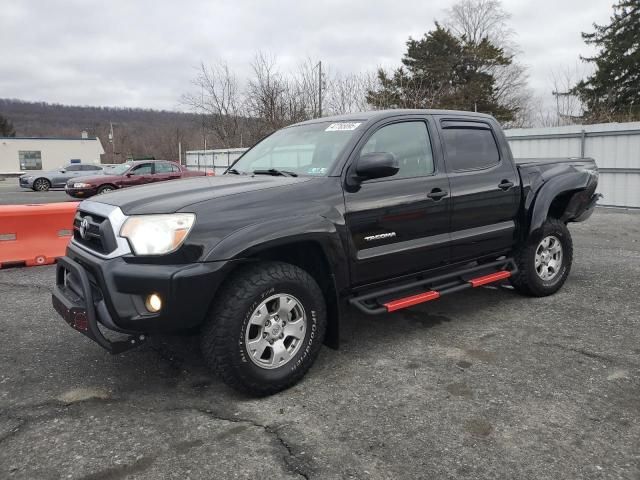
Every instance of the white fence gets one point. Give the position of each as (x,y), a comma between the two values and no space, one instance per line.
(614,146)
(216,161)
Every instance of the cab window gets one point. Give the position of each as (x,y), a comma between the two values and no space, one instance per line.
(409,143)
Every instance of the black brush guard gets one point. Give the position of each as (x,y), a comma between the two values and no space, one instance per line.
(78,308)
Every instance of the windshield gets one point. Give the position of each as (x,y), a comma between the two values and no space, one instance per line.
(118,169)
(303,150)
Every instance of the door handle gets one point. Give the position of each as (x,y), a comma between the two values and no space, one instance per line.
(505,185)
(437,194)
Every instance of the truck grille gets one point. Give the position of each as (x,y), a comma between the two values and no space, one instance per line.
(94,232)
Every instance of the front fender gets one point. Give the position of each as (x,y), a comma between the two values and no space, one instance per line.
(260,236)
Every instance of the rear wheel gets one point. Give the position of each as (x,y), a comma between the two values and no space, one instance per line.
(106,189)
(266,328)
(41,184)
(545,261)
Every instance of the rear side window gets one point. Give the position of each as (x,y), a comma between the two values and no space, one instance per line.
(163,168)
(470,148)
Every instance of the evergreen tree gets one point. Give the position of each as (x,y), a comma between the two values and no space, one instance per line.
(6,128)
(613,92)
(443,71)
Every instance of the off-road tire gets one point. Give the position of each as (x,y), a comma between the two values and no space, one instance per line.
(527,280)
(223,335)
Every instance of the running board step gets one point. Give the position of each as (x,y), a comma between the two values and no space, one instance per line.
(377,302)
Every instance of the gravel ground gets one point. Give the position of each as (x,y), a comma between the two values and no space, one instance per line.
(12,194)
(482,384)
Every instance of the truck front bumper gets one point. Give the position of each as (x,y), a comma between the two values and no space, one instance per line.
(92,295)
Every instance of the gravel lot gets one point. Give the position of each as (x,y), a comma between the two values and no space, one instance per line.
(12,194)
(483,384)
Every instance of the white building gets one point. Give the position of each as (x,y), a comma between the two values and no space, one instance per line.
(20,154)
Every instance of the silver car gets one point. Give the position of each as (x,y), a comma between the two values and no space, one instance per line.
(43,181)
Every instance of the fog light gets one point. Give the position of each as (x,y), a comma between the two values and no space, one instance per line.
(153,303)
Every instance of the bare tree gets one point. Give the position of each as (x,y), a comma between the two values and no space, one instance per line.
(475,20)
(347,93)
(218,98)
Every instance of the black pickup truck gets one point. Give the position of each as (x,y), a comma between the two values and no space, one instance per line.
(376,211)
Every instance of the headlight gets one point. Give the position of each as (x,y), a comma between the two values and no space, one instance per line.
(157,234)
(81,185)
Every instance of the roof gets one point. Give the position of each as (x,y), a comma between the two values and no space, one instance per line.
(374,115)
(48,138)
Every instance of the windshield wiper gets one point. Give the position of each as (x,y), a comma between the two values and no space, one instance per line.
(234,171)
(275,172)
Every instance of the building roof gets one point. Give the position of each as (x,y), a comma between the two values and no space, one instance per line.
(48,138)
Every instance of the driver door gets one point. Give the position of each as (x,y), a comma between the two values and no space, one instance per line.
(138,175)
(59,179)
(399,225)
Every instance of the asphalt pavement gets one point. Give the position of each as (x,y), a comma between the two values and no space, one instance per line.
(12,194)
(483,384)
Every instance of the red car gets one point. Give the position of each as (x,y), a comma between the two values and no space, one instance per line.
(128,175)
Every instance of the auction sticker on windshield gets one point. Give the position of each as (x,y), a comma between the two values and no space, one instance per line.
(342,126)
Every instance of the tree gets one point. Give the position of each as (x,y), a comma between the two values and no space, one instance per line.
(476,20)
(443,71)
(6,128)
(612,93)
(219,101)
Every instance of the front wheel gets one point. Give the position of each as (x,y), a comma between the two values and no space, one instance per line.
(545,261)
(106,189)
(266,328)
(41,185)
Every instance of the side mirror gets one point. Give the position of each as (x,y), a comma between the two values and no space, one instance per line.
(129,175)
(376,165)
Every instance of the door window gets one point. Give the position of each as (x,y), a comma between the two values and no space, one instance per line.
(470,148)
(145,169)
(409,143)
(73,168)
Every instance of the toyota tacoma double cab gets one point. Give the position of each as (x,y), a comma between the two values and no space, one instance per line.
(375,211)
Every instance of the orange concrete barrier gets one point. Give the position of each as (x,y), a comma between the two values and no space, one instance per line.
(35,234)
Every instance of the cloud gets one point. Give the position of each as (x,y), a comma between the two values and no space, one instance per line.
(143,53)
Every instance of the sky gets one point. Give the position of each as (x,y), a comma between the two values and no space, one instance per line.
(140,53)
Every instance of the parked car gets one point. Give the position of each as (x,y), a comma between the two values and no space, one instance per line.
(127,175)
(43,181)
(380,211)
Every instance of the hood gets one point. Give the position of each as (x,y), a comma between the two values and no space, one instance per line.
(94,179)
(174,195)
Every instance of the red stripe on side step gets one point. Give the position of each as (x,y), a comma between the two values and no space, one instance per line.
(410,301)
(492,277)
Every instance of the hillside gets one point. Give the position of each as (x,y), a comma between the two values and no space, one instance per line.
(136,131)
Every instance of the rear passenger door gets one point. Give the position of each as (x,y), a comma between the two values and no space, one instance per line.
(484,188)
(399,225)
(164,171)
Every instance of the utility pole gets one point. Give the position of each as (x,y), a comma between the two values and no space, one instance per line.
(319,89)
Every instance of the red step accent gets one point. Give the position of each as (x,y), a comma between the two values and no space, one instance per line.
(410,301)
(492,277)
